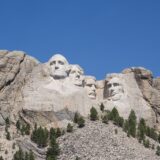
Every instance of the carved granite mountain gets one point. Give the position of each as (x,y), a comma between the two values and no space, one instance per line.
(49,94)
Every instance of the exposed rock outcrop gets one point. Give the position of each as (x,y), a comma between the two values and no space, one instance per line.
(149,88)
(14,68)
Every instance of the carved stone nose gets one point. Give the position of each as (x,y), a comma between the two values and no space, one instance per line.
(111,90)
(56,67)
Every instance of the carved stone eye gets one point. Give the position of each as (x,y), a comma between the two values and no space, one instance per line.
(72,72)
(109,85)
(53,62)
(89,85)
(115,84)
(60,62)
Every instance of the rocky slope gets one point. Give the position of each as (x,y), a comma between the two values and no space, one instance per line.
(98,141)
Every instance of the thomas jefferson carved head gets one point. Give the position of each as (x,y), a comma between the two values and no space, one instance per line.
(76,74)
(58,66)
(90,86)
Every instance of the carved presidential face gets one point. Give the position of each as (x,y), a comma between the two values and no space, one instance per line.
(58,65)
(90,86)
(115,89)
(76,75)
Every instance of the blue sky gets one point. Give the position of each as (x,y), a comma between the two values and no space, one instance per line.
(102,36)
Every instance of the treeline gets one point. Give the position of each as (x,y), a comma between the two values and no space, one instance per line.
(42,137)
(23,128)
(131,126)
(20,155)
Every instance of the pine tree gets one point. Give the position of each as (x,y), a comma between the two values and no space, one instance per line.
(141,130)
(146,143)
(31,155)
(148,131)
(18,125)
(120,121)
(23,129)
(76,117)
(27,129)
(58,132)
(81,122)
(153,134)
(19,155)
(69,128)
(158,151)
(93,114)
(77,158)
(114,115)
(132,124)
(102,107)
(34,135)
(52,133)
(7,122)
(40,136)
(26,157)
(8,136)
(105,119)
(159,137)
(53,151)
(125,126)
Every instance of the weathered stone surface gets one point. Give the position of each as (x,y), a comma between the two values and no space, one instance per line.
(156,83)
(26,145)
(149,89)
(98,141)
(53,102)
(100,89)
(122,91)
(14,68)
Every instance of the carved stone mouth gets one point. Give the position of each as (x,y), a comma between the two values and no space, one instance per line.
(113,93)
(92,94)
(77,78)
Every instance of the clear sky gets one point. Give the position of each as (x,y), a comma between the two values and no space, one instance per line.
(102,36)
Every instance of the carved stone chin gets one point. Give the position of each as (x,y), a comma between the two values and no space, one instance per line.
(58,66)
(76,75)
(90,86)
(116,97)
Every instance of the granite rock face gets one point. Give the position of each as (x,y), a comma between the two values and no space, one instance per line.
(49,94)
(53,101)
(149,88)
(14,68)
(52,92)
(124,91)
(156,83)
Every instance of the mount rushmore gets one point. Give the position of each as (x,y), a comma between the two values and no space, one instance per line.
(50,93)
